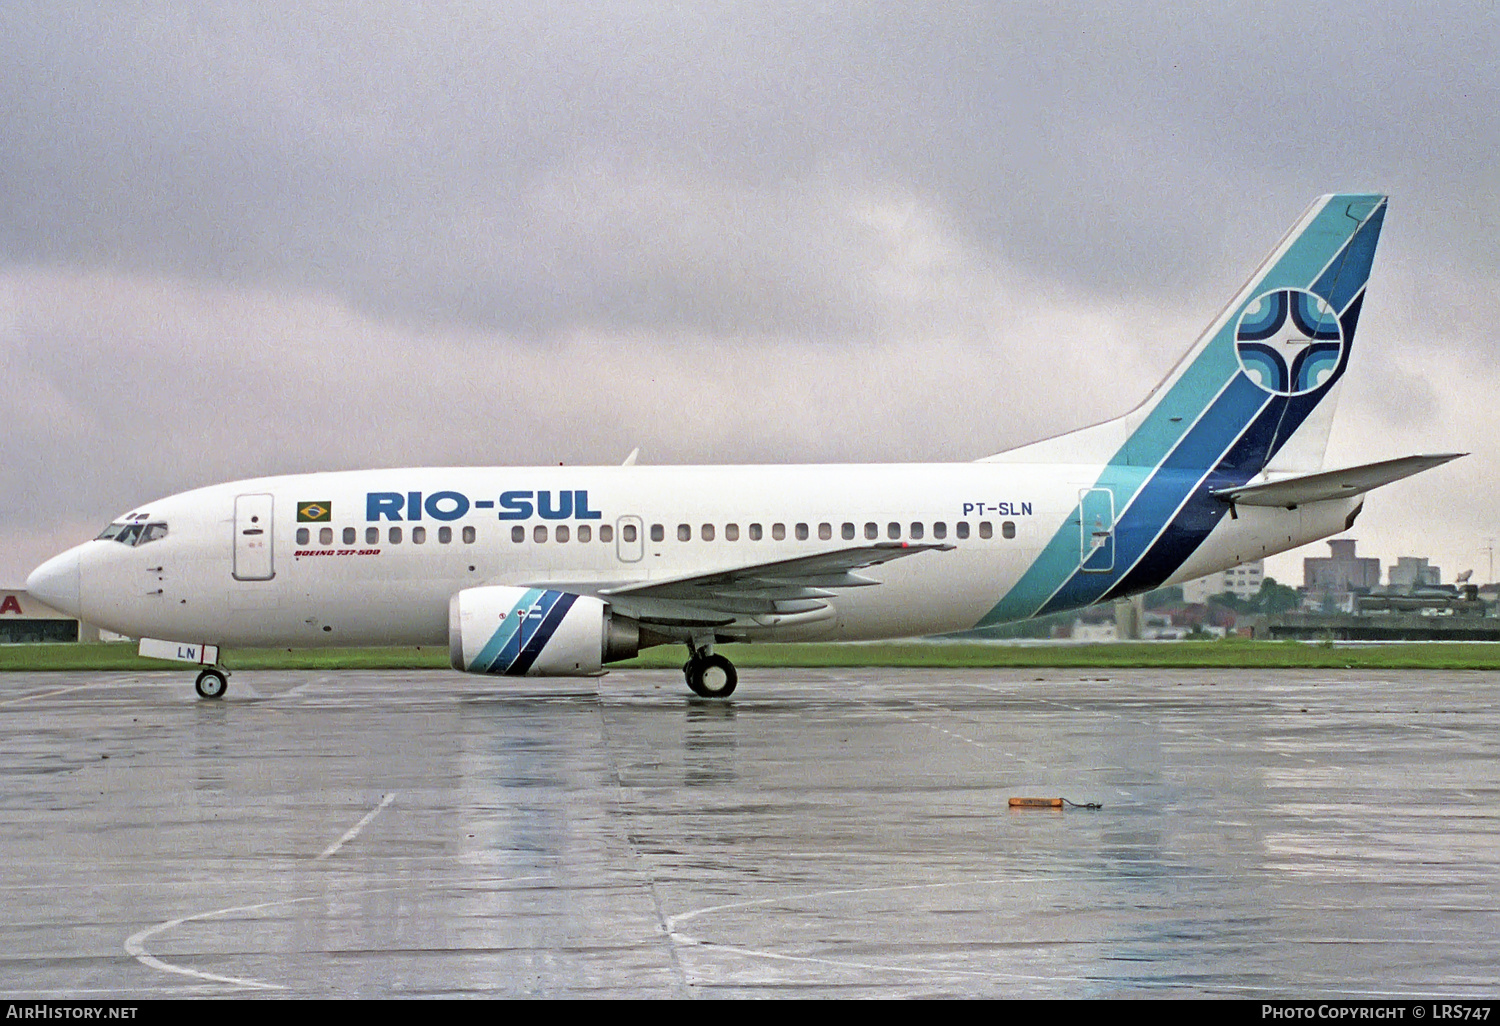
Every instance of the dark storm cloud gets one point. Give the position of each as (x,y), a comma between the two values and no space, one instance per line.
(239,239)
(538,167)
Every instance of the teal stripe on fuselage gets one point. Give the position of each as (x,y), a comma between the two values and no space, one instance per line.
(1158,501)
(1155,495)
(1060,558)
(1329,235)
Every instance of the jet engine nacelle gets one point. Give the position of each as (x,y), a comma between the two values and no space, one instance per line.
(535,632)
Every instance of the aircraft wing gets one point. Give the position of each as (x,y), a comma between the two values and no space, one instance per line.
(1332,484)
(786,588)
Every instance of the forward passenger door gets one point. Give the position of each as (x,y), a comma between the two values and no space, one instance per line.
(253,548)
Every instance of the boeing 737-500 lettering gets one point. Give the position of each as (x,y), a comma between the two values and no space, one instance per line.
(558,571)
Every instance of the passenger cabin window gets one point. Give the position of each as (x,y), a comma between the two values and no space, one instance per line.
(395,536)
(658,532)
(916,532)
(778,532)
(372,536)
(893,531)
(468,536)
(961,529)
(755,532)
(585,533)
(802,532)
(872,531)
(325,535)
(303,537)
(539,533)
(848,531)
(684,532)
(350,534)
(445,535)
(940,530)
(562,533)
(518,534)
(706,532)
(606,533)
(1008,529)
(825,532)
(418,535)
(986,529)
(731,532)
(628,533)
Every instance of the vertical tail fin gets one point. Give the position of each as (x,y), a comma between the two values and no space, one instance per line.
(1260,381)
(1255,393)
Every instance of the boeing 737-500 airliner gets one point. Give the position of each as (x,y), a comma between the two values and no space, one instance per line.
(557,571)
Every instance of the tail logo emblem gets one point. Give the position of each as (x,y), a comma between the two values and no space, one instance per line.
(1289,341)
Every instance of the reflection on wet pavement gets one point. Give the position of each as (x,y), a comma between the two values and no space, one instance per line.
(825,832)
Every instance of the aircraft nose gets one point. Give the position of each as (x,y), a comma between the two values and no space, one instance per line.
(55,582)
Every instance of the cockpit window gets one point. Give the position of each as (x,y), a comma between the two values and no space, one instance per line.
(133,534)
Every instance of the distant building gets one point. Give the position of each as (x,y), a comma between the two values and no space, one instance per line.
(25,621)
(1157,626)
(1341,571)
(1411,572)
(1082,631)
(1242,582)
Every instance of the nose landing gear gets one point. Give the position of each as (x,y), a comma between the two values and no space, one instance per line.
(212,683)
(709,675)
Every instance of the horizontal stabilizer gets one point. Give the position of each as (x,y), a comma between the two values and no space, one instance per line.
(1332,484)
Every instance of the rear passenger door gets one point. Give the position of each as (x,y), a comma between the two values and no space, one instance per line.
(1096,537)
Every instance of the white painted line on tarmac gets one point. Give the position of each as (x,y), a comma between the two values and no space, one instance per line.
(686,940)
(47,694)
(353,831)
(135,946)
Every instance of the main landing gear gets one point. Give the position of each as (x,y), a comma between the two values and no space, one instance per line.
(709,675)
(212,683)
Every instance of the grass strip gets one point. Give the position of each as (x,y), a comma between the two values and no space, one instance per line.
(1236,653)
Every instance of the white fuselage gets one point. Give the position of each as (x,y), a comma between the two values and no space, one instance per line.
(393,546)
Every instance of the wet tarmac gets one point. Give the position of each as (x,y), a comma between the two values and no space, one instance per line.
(824,833)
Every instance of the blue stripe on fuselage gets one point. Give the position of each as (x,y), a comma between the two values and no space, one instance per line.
(1159,499)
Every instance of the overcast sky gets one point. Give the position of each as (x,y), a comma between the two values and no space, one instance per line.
(241,239)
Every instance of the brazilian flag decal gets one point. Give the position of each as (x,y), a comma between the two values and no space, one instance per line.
(314,512)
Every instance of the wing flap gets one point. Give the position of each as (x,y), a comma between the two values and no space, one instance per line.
(783,580)
(787,591)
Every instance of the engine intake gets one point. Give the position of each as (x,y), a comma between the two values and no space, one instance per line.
(535,632)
